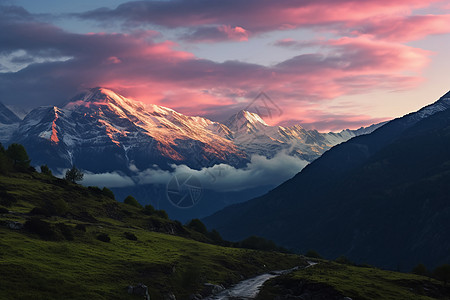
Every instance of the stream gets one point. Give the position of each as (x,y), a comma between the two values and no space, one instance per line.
(249,288)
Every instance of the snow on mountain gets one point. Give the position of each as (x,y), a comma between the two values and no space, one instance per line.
(100,130)
(8,123)
(442,104)
(254,136)
(245,122)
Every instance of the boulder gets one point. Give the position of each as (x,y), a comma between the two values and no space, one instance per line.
(195,297)
(14,225)
(212,289)
(140,289)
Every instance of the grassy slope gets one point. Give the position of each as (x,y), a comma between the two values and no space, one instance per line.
(87,268)
(359,283)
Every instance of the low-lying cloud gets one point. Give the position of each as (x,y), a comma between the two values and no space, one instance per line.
(261,171)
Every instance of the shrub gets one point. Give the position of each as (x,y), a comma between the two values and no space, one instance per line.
(6,199)
(215,236)
(95,190)
(3,210)
(131,236)
(197,225)
(66,231)
(442,273)
(313,254)
(343,260)
(130,200)
(46,170)
(108,193)
(57,207)
(149,210)
(162,214)
(420,269)
(39,211)
(104,237)
(41,228)
(6,163)
(258,243)
(81,227)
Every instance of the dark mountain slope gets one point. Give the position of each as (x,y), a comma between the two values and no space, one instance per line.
(381,198)
(7,116)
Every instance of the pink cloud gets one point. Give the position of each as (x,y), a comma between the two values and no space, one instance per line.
(255,15)
(406,29)
(157,72)
(235,33)
(113,60)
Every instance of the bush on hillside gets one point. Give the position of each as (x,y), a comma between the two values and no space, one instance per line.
(39,211)
(41,228)
(420,269)
(197,225)
(130,236)
(7,199)
(95,190)
(66,231)
(108,193)
(442,273)
(259,243)
(313,254)
(149,210)
(344,260)
(162,214)
(104,237)
(80,227)
(46,170)
(216,238)
(130,200)
(56,207)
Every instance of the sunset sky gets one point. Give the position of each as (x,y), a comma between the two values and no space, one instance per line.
(327,64)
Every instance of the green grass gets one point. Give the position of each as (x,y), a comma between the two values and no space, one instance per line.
(87,268)
(179,263)
(90,269)
(361,283)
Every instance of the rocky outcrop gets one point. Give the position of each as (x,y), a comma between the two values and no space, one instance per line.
(140,289)
(14,225)
(212,289)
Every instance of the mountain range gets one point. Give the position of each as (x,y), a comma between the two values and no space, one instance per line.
(102,131)
(381,198)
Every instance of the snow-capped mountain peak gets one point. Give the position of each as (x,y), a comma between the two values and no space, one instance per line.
(101,131)
(245,122)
